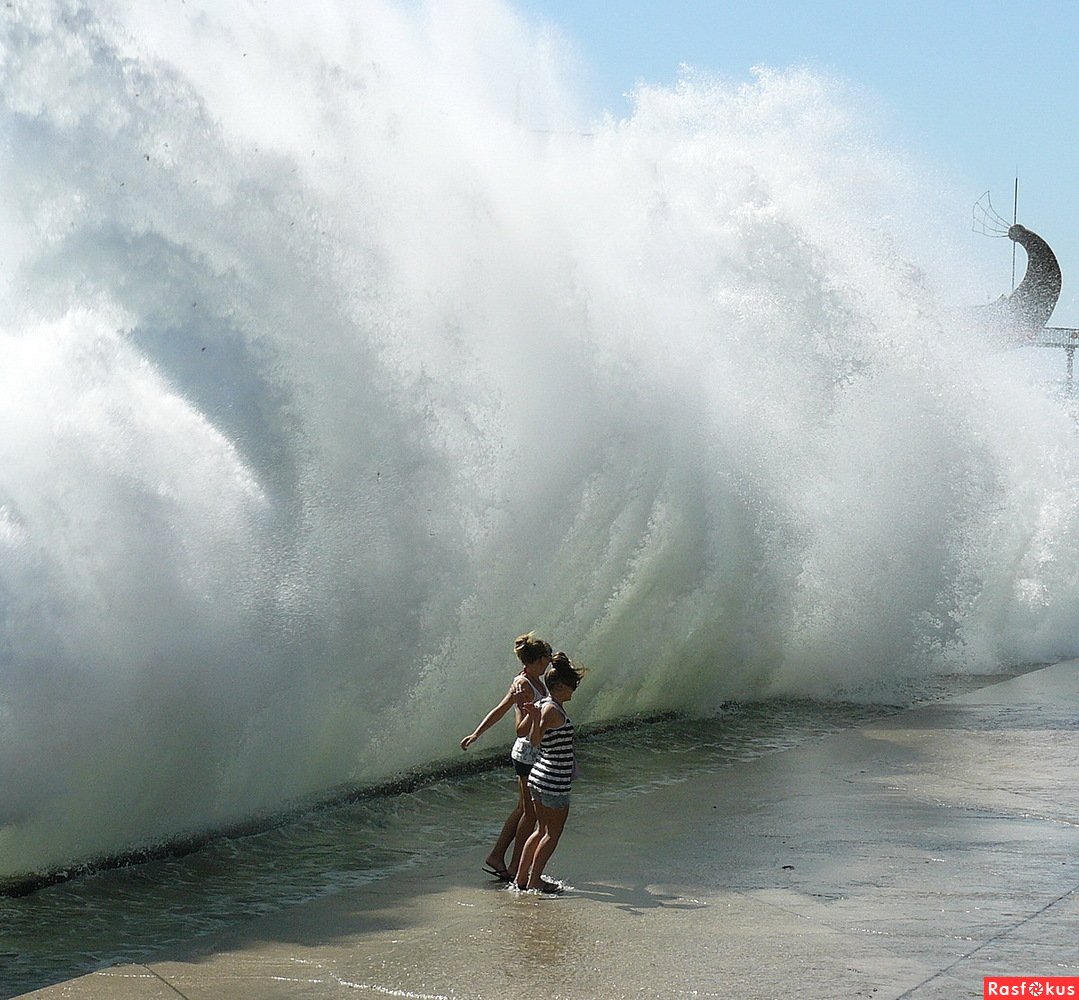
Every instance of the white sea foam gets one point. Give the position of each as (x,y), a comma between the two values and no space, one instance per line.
(339,348)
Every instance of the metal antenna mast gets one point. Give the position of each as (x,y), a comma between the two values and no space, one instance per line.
(1015,219)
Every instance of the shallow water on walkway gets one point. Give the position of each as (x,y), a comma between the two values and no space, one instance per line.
(132,913)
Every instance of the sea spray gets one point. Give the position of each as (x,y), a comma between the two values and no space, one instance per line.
(339,347)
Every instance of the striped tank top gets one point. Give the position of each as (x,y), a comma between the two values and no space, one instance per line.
(553,772)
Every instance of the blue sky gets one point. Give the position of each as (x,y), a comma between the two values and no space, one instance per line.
(977,90)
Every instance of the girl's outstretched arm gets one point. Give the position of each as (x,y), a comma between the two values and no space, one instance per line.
(490,718)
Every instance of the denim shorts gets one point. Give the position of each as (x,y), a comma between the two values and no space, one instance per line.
(550,800)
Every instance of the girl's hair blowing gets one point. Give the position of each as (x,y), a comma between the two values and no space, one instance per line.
(529,648)
(562,671)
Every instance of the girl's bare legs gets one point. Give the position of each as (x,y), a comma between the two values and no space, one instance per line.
(551,824)
(541,845)
(496,859)
(519,824)
(525,825)
(528,852)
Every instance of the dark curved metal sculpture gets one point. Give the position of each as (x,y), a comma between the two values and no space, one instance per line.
(1034,299)
(1021,317)
(1026,311)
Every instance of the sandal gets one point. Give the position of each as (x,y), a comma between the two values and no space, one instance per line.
(502,875)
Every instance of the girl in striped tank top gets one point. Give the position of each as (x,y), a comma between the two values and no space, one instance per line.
(549,728)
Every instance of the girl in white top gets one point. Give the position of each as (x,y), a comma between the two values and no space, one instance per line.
(526,689)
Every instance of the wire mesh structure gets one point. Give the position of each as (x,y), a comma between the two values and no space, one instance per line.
(987,220)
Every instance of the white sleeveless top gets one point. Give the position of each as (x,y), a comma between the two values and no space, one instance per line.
(523,751)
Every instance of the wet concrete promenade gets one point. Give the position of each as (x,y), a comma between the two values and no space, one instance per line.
(906,858)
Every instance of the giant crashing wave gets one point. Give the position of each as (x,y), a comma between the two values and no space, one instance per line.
(332,361)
